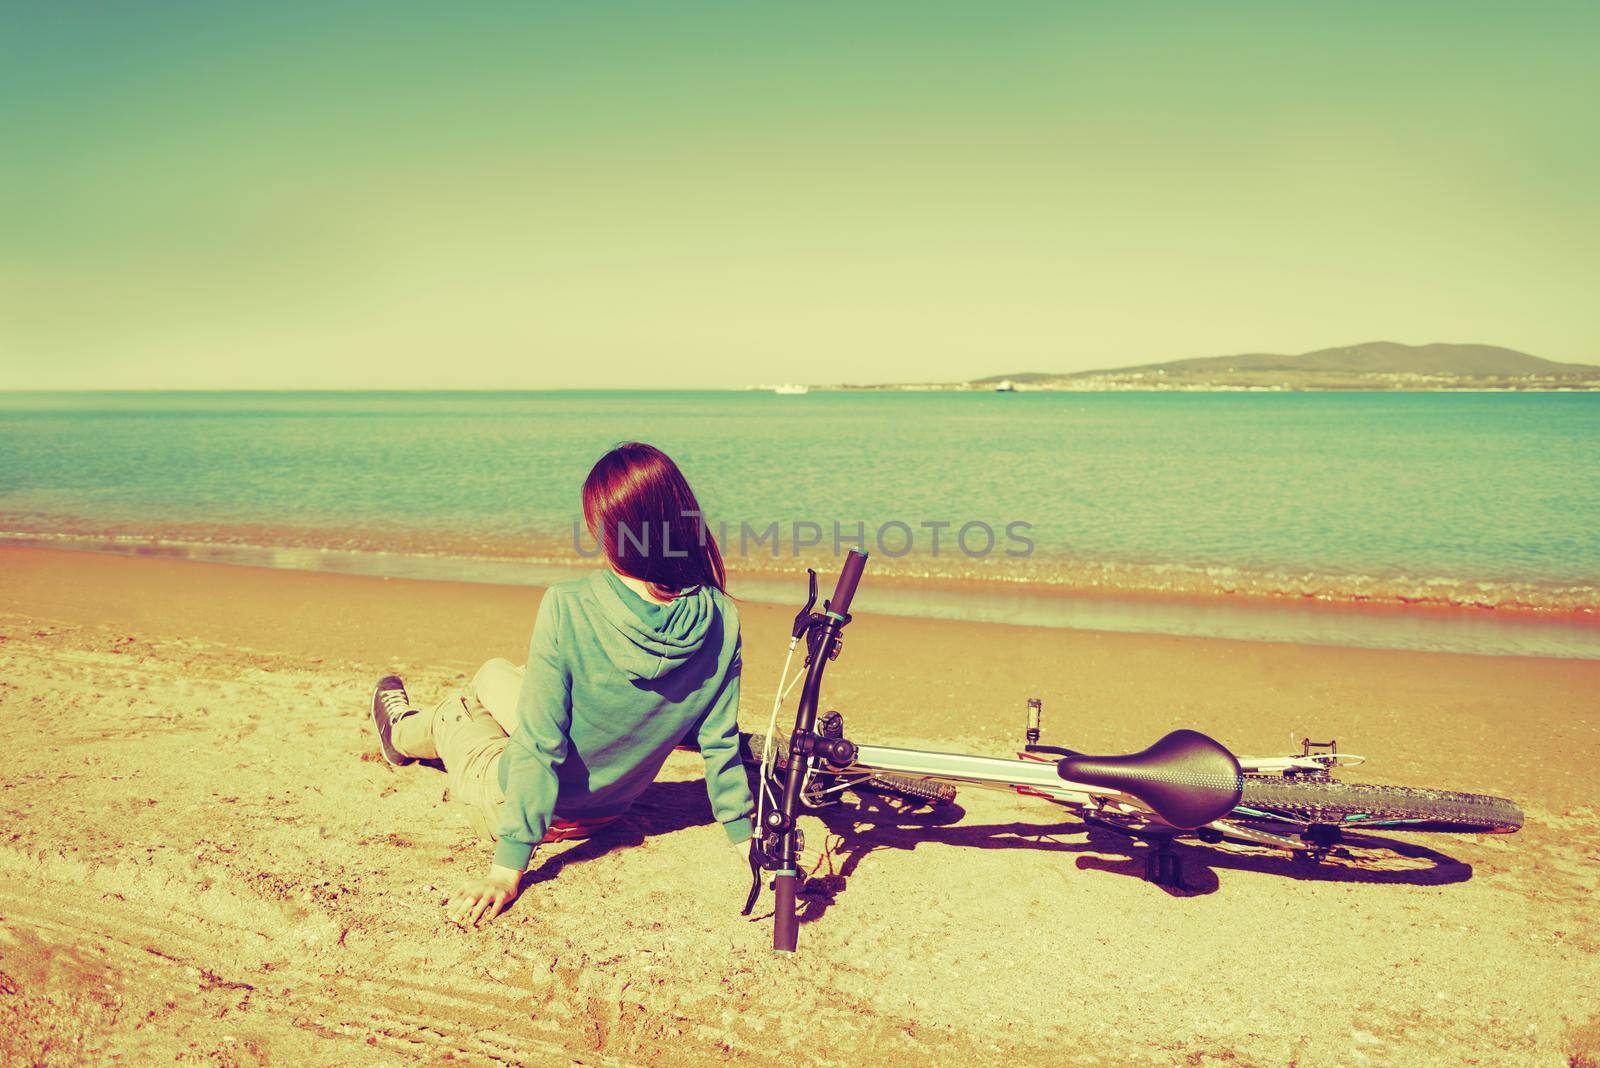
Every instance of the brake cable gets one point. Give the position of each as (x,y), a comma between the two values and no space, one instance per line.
(768,759)
(768,756)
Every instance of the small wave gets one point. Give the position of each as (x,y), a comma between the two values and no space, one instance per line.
(479,558)
(1429,613)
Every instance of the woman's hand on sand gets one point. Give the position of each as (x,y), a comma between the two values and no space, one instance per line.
(484,898)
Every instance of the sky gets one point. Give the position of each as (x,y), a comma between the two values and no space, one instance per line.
(567,195)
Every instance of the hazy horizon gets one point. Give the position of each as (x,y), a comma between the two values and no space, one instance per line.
(555,197)
(565,389)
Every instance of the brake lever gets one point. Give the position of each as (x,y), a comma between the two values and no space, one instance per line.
(755,888)
(802,619)
(758,863)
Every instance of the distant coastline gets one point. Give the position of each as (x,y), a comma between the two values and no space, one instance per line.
(1370,366)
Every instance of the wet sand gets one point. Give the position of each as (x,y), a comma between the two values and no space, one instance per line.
(201,859)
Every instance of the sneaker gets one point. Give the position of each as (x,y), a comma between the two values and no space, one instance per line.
(390,705)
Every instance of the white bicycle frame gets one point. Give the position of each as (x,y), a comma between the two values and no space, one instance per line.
(1036,776)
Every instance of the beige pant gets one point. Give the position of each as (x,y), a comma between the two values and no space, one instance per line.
(468,731)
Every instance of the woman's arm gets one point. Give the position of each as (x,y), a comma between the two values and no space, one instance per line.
(718,735)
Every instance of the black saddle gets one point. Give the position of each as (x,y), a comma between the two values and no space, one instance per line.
(1186,778)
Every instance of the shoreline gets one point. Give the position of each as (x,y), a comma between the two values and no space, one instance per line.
(1045,570)
(1357,623)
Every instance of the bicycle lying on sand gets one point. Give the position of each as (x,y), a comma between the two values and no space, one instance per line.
(1184,786)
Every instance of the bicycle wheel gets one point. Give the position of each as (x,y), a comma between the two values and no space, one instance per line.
(1371,805)
(925,791)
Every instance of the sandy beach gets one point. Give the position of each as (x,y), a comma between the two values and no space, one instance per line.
(202,860)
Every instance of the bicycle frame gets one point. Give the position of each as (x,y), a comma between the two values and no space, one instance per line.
(1037,777)
(1040,778)
(1024,776)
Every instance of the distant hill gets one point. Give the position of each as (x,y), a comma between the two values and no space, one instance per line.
(1374,364)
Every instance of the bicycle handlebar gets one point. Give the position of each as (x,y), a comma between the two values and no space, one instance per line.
(849,576)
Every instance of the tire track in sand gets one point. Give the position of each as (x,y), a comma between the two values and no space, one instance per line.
(152,963)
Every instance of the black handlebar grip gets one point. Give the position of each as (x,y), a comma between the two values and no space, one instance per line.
(785,924)
(854,563)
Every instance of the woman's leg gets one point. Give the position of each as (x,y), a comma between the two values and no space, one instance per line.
(468,732)
(498,684)
(470,743)
(460,733)
(412,734)
(468,739)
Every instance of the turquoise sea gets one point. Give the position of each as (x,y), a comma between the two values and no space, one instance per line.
(1457,508)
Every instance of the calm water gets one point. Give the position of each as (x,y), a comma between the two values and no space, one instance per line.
(1477,499)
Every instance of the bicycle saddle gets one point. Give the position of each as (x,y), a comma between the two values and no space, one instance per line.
(1186,778)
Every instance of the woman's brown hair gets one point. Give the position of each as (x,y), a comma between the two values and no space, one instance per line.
(639,507)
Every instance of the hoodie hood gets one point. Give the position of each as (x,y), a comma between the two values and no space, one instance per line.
(646,640)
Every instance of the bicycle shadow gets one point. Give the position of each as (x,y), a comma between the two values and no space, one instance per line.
(881,823)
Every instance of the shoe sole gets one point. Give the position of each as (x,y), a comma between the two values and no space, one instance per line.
(381,724)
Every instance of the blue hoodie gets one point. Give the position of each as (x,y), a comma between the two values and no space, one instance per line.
(614,682)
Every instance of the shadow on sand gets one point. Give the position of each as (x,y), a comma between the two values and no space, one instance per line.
(856,831)
(662,809)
